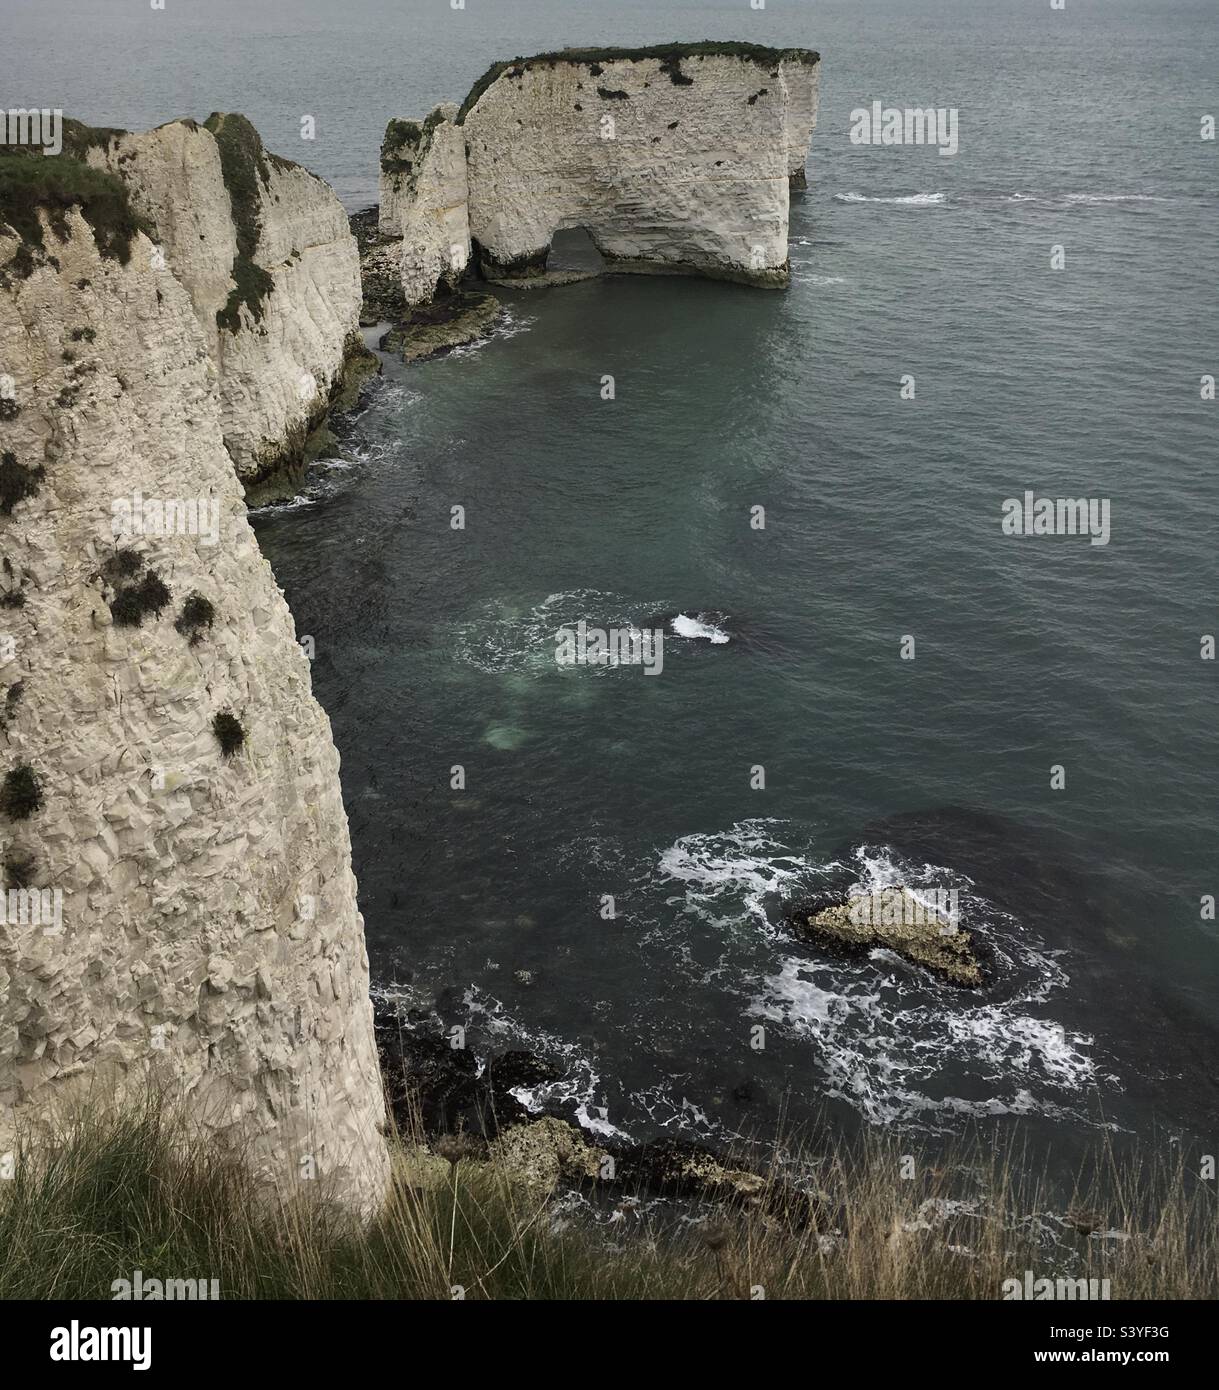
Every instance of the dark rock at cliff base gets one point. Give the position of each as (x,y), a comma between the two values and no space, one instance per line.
(427,1082)
(432,329)
(437,1087)
(431,1083)
(681,1169)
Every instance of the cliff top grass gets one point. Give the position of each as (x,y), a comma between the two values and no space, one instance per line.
(117,1191)
(31,181)
(669,54)
(412,136)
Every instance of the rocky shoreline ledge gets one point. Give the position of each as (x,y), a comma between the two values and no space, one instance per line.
(448,1109)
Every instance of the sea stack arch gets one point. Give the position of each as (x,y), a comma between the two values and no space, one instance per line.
(676,159)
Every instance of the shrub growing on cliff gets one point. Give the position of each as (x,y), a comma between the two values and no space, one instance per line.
(229,733)
(17,481)
(21,793)
(12,698)
(20,869)
(197,613)
(134,602)
(671,67)
(123,564)
(244,164)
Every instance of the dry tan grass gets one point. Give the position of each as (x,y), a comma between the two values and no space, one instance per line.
(131,1191)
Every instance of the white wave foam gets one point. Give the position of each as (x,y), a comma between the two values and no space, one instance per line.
(892,1057)
(685,626)
(888,1040)
(735,870)
(1099,198)
(512,638)
(813,279)
(914,200)
(1114,198)
(508,325)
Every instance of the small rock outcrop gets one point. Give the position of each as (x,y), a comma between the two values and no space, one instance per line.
(179,906)
(895,919)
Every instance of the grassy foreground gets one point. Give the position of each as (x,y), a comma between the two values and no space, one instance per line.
(128,1192)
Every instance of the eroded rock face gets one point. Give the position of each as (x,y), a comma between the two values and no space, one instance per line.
(266,254)
(424,201)
(803,82)
(672,164)
(675,160)
(166,768)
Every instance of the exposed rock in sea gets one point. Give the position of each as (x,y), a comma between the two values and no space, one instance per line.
(438,1090)
(432,329)
(171,818)
(895,919)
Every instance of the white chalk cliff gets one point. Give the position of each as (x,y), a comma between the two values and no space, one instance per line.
(165,768)
(676,160)
(264,249)
(424,201)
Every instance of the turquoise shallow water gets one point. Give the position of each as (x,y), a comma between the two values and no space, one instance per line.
(883,519)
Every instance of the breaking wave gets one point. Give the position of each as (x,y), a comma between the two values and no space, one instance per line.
(914,200)
(895,1045)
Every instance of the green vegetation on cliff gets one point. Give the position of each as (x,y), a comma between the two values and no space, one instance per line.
(408,138)
(32,182)
(670,56)
(244,164)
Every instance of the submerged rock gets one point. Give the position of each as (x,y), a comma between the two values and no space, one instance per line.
(895,919)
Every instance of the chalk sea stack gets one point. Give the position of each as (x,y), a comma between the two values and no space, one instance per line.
(676,159)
